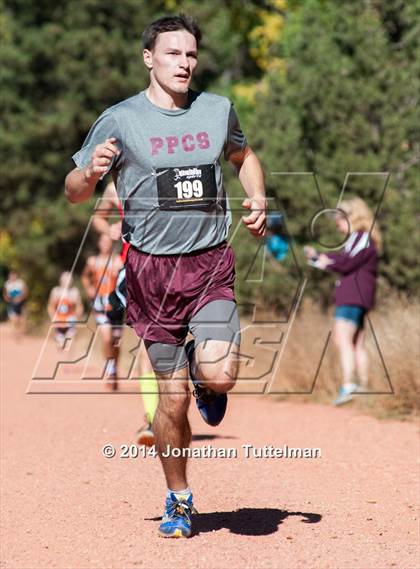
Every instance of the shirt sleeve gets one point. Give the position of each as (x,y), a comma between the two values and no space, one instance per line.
(344,263)
(235,138)
(104,127)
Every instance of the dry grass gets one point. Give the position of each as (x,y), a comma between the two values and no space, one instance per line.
(296,365)
(283,358)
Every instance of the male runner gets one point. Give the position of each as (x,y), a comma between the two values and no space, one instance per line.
(99,278)
(65,308)
(163,148)
(118,301)
(15,293)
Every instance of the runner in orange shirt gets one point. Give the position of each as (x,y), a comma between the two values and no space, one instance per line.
(65,308)
(99,279)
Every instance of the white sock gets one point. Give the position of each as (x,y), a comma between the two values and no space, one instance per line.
(180,494)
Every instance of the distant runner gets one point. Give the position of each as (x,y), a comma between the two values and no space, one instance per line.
(15,293)
(65,308)
(99,279)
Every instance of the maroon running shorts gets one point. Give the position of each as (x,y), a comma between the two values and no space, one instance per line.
(165,291)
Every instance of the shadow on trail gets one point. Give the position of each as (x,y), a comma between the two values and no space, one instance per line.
(246,521)
(249,521)
(211,437)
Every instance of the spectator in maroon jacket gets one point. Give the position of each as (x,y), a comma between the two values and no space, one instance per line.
(356,265)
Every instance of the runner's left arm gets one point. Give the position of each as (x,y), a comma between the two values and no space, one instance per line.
(250,173)
(251,176)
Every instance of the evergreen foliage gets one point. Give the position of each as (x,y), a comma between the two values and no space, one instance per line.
(321,86)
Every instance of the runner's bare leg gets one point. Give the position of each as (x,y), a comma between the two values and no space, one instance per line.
(171,426)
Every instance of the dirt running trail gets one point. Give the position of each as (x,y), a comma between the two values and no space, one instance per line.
(66,506)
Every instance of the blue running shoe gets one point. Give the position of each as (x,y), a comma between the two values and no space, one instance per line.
(176,521)
(212,405)
(346,393)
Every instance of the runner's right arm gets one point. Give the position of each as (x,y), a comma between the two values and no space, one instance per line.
(80,183)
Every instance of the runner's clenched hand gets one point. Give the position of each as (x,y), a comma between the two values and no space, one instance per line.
(102,158)
(256,220)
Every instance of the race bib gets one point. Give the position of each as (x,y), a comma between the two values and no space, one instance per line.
(187,187)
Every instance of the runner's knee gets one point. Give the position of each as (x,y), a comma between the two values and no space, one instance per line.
(220,376)
(220,383)
(174,404)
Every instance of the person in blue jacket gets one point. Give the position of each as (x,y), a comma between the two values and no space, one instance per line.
(277,243)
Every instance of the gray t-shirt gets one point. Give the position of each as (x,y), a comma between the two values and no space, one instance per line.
(168,174)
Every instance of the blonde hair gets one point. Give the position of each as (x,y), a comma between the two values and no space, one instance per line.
(361,218)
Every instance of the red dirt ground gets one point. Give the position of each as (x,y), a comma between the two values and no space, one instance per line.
(66,506)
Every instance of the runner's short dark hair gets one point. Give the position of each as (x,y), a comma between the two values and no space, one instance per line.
(169,24)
